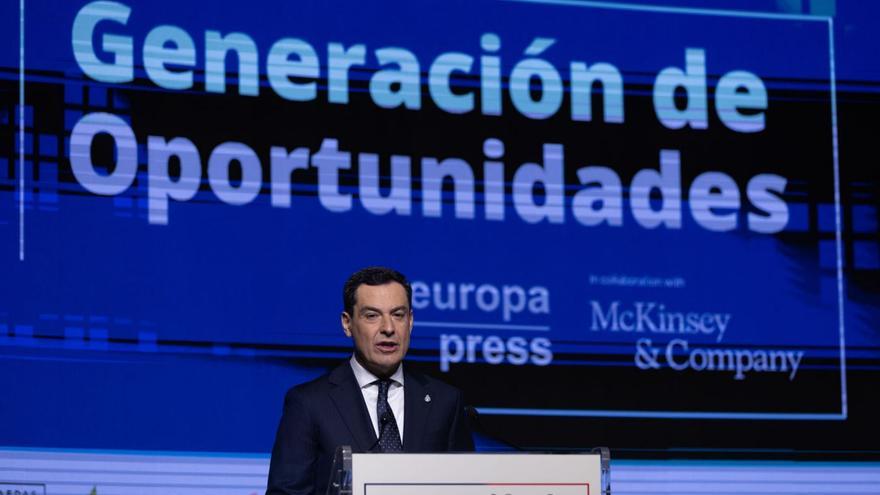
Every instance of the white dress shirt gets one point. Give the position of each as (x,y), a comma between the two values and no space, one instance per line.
(370,390)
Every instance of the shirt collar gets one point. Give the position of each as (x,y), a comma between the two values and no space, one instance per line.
(365,378)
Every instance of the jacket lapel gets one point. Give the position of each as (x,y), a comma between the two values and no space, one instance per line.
(415,411)
(349,401)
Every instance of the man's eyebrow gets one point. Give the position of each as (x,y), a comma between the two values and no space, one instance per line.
(404,307)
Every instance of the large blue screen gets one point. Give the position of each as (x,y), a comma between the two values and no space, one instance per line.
(642,226)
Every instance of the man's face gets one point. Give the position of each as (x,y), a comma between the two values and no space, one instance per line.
(380,326)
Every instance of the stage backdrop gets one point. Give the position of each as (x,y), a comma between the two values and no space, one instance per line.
(650,227)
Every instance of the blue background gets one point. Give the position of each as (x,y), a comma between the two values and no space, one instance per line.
(117,334)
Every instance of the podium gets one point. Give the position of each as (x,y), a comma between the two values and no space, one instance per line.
(470,473)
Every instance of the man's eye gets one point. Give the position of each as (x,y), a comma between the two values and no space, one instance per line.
(371,316)
(399,315)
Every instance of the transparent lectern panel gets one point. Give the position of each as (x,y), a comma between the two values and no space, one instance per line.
(605,465)
(340,472)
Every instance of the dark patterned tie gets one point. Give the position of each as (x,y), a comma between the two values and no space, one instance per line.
(389,435)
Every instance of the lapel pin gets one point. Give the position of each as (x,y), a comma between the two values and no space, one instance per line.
(427,398)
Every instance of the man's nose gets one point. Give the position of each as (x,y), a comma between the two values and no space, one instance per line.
(387,325)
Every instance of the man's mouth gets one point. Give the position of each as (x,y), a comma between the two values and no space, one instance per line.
(387,346)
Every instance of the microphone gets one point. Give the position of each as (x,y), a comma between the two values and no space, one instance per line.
(473,417)
(384,419)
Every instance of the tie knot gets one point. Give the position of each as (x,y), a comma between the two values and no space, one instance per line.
(384,385)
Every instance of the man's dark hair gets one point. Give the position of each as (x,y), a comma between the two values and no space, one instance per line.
(373,275)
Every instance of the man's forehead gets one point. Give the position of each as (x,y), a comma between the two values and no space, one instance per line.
(388,295)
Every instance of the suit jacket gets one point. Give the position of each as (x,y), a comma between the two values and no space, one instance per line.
(330,411)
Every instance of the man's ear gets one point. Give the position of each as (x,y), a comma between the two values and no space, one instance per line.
(346,323)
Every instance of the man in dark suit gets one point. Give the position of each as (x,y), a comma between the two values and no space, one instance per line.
(369,402)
